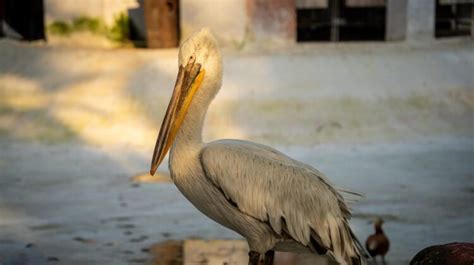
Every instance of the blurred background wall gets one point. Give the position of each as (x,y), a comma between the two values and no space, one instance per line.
(71,9)
(238,22)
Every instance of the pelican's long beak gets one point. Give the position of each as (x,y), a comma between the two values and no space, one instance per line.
(187,83)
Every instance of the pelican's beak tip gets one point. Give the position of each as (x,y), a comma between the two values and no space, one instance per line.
(152,171)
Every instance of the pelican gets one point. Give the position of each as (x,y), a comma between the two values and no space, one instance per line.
(275,202)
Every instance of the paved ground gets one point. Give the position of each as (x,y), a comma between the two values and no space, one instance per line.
(392,122)
(78,204)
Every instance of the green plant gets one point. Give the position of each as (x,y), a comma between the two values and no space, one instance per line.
(59,28)
(93,25)
(120,30)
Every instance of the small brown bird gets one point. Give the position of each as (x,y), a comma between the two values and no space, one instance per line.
(377,244)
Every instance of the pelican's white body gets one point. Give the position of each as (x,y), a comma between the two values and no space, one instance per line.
(270,199)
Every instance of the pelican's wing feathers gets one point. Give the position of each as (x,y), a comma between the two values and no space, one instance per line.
(291,196)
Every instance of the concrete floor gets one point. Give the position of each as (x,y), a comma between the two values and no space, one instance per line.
(77,204)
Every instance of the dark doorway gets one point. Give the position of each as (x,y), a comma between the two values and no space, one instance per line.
(453,18)
(313,24)
(24,18)
(342,20)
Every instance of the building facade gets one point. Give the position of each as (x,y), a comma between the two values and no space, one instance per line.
(288,21)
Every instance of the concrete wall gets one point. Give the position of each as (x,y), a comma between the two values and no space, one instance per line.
(273,21)
(227,19)
(237,21)
(67,10)
(396,20)
(420,20)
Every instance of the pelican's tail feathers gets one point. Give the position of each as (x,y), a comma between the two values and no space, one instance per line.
(345,247)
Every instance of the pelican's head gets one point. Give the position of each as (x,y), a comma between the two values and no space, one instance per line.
(203,48)
(199,79)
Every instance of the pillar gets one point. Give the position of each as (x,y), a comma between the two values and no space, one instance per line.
(396,24)
(420,20)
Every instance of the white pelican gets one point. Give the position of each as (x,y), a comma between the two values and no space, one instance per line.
(275,202)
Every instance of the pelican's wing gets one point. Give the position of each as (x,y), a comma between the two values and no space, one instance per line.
(291,196)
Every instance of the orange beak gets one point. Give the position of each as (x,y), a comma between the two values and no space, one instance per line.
(187,83)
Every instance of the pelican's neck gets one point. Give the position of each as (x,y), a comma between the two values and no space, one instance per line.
(190,133)
(189,137)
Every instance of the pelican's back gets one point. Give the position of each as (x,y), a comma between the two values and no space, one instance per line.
(293,198)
